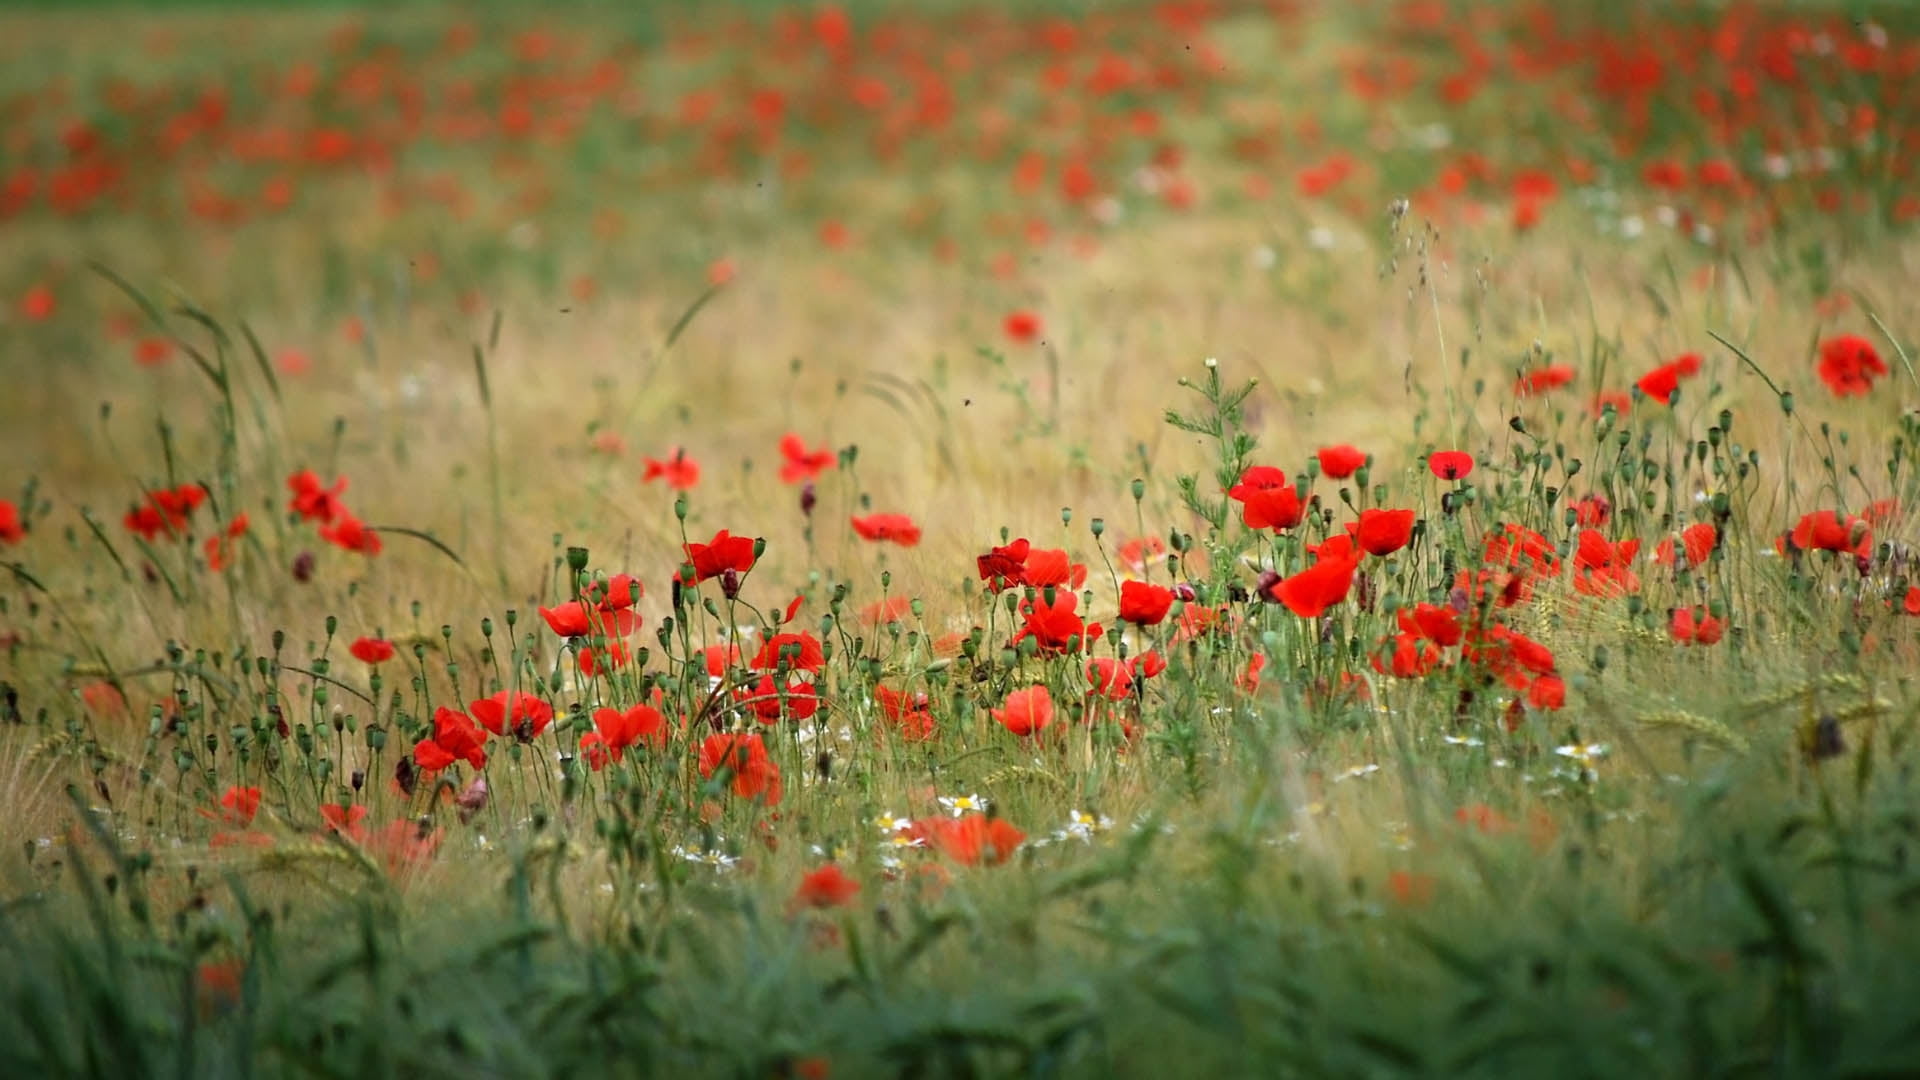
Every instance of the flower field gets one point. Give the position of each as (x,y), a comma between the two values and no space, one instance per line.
(1247,537)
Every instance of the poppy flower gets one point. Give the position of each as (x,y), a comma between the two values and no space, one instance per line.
(1823,530)
(1547,693)
(1450,464)
(1110,678)
(402,845)
(152,352)
(1340,462)
(1694,626)
(1143,604)
(1517,547)
(11,530)
(1006,566)
(1026,711)
(238,805)
(770,702)
(1542,379)
(1055,626)
(1697,542)
(512,712)
(911,713)
(614,732)
(1267,499)
(219,547)
(1050,566)
(1619,401)
(754,775)
(1410,889)
(798,652)
(1592,511)
(973,839)
(1312,591)
(1911,605)
(1022,326)
(1136,554)
(1405,656)
(37,303)
(898,528)
(455,738)
(717,556)
(347,532)
(679,471)
(1660,383)
(314,501)
(1382,532)
(799,464)
(1848,365)
(347,821)
(1440,625)
(826,887)
(597,660)
(371,650)
(1602,568)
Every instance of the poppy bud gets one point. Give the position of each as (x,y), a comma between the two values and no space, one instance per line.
(730,583)
(332,624)
(576,559)
(1099,526)
(1185,591)
(807,500)
(1066,515)
(1139,489)
(1786,403)
(358,779)
(303,567)
(680,507)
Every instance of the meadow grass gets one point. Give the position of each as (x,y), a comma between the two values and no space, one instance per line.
(1601,767)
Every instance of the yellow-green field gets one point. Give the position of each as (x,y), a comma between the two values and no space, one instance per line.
(377,697)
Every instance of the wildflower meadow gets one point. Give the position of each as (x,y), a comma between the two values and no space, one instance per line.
(959,539)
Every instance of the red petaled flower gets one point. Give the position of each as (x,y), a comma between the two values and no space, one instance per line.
(973,839)
(1849,364)
(1697,542)
(1602,568)
(1026,711)
(1382,532)
(371,650)
(1824,530)
(717,556)
(1006,566)
(754,775)
(771,702)
(798,652)
(1342,461)
(1022,326)
(219,547)
(1517,547)
(1312,591)
(1405,656)
(348,821)
(455,738)
(911,713)
(1694,626)
(1592,511)
(1050,566)
(1143,604)
(1542,379)
(614,732)
(826,887)
(799,464)
(313,501)
(1055,626)
(512,712)
(576,619)
(11,530)
(897,528)
(1440,625)
(348,533)
(1660,383)
(1267,499)
(1450,464)
(238,805)
(678,470)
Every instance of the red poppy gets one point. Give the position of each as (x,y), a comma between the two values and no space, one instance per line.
(1312,591)
(1694,626)
(1517,547)
(1055,626)
(1547,693)
(1050,566)
(219,547)
(348,821)
(1542,379)
(1592,511)
(1602,568)
(1410,889)
(455,738)
(371,650)
(1110,678)
(1143,604)
(1342,461)
(403,845)
(314,502)
(1006,566)
(770,702)
(1450,464)
(898,528)
(1267,499)
(1660,383)
(599,659)
(1619,401)
(911,713)
(615,731)
(826,887)
(1697,541)
(575,619)
(152,351)
(11,530)
(799,464)
(798,652)
(680,471)
(754,775)
(1026,711)
(1022,326)
(512,712)
(1382,532)
(1912,602)
(1405,656)
(1823,530)
(973,839)
(1849,364)
(37,303)
(717,556)
(238,805)
(1440,625)
(349,533)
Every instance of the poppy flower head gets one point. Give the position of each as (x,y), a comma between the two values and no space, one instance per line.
(1537,381)
(1382,532)
(1050,566)
(1824,530)
(800,465)
(11,529)
(371,650)
(679,471)
(912,713)
(754,775)
(1006,566)
(1312,591)
(455,738)
(1267,499)
(1450,464)
(1340,462)
(1849,364)
(1026,711)
(895,528)
(1144,604)
(826,887)
(314,501)
(1022,327)
(513,712)
(717,556)
(973,839)
(797,652)
(350,534)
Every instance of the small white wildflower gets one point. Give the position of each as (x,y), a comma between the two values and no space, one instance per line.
(1320,238)
(1462,740)
(890,824)
(1584,753)
(961,805)
(1357,772)
(1632,226)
